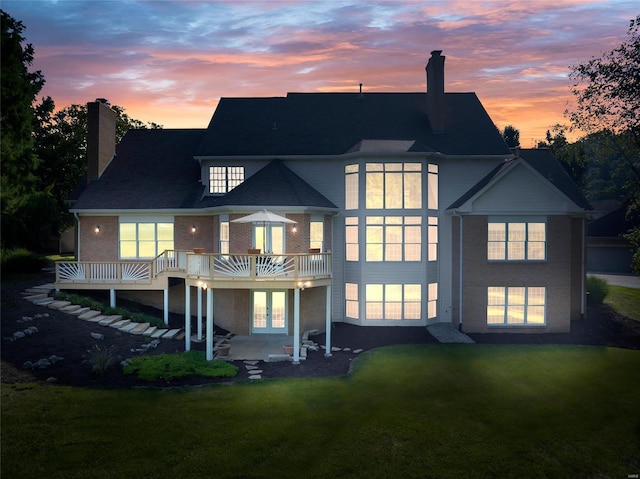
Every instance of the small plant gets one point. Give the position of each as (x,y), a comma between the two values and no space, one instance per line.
(597,288)
(178,366)
(101,359)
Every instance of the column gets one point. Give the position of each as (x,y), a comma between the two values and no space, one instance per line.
(112,298)
(327,333)
(187,316)
(199,313)
(209,324)
(296,326)
(166,306)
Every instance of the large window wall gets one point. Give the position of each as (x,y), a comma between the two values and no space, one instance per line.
(144,239)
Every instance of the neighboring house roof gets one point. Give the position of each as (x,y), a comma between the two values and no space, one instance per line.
(273,185)
(613,224)
(335,123)
(545,163)
(152,169)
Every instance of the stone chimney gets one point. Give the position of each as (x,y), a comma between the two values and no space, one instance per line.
(435,91)
(101,137)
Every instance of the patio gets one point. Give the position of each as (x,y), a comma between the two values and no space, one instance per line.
(257,347)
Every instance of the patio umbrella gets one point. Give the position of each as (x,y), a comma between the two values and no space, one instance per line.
(263,217)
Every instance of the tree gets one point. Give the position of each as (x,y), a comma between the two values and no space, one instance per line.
(571,156)
(61,145)
(511,136)
(607,91)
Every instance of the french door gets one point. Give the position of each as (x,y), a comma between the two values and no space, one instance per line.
(269,238)
(269,312)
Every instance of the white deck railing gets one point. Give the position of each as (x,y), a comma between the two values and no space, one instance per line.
(203,266)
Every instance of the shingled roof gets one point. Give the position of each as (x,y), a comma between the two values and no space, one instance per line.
(273,185)
(152,169)
(545,163)
(334,123)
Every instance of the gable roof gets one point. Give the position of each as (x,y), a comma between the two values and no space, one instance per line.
(334,123)
(152,169)
(541,160)
(273,185)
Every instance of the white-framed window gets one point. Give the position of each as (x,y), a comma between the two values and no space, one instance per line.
(351,187)
(393,301)
(144,239)
(516,306)
(432,186)
(316,234)
(432,300)
(516,241)
(351,238)
(393,185)
(432,238)
(224,234)
(393,238)
(351,298)
(223,179)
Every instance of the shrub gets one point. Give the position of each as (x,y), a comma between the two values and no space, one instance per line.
(597,288)
(101,359)
(178,366)
(21,261)
(86,302)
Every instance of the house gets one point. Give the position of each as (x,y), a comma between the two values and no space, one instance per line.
(607,249)
(403,209)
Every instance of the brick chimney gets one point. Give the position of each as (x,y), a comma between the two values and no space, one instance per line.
(435,91)
(101,137)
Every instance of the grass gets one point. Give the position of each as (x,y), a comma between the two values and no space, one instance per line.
(625,301)
(407,411)
(178,366)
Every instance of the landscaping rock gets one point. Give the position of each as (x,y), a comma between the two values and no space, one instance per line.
(97,336)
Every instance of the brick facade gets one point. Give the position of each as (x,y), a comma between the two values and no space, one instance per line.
(102,245)
(559,274)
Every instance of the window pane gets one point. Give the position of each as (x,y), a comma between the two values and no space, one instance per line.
(495,295)
(127,231)
(536,296)
(146,249)
(536,251)
(374,292)
(515,250)
(496,250)
(351,191)
(393,310)
(412,292)
(432,193)
(374,234)
(537,231)
(497,231)
(375,190)
(146,231)
(393,252)
(165,231)
(164,246)
(515,315)
(128,250)
(433,252)
(393,190)
(374,252)
(535,315)
(495,314)
(351,291)
(412,252)
(224,231)
(516,296)
(517,231)
(433,291)
(413,190)
(352,252)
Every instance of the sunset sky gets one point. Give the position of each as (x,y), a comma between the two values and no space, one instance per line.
(170,61)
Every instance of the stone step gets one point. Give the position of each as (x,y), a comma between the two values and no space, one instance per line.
(71,308)
(159,333)
(92,313)
(98,318)
(140,328)
(32,291)
(150,331)
(34,298)
(45,287)
(128,327)
(109,320)
(59,304)
(180,336)
(44,302)
(79,311)
(119,324)
(172,333)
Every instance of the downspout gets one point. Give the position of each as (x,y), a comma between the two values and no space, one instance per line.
(78,234)
(583,259)
(458,215)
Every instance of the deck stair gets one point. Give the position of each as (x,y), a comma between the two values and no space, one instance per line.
(41,295)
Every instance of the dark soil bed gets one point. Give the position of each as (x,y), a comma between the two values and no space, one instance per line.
(65,336)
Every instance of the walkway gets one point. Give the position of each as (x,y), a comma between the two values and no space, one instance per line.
(448,333)
(628,281)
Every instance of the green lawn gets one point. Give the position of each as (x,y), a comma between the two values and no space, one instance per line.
(457,411)
(624,300)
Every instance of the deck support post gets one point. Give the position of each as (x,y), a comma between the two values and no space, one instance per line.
(112,298)
(327,333)
(187,316)
(199,313)
(209,324)
(166,305)
(296,326)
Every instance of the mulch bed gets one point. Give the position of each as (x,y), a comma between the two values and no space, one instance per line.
(68,337)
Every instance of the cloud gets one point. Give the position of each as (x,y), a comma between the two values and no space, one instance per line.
(170,61)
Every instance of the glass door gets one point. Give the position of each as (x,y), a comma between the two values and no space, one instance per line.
(269,238)
(269,312)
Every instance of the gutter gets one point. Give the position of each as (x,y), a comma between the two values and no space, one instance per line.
(77,216)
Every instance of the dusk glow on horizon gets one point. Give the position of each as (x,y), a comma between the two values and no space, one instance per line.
(169,62)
